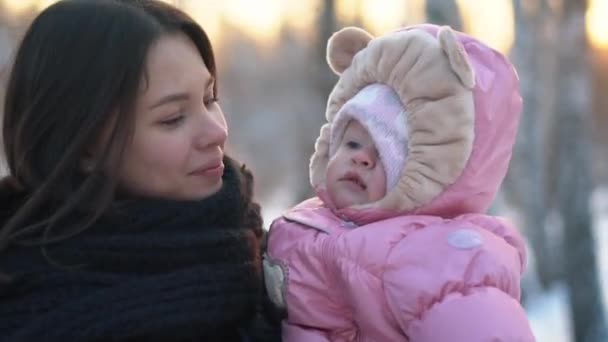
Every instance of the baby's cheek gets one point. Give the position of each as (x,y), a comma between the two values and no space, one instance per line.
(331,175)
(377,188)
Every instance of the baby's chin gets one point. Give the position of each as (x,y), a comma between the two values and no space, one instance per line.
(342,201)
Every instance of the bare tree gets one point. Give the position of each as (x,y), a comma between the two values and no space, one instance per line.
(323,80)
(444,12)
(600,109)
(525,185)
(574,184)
(327,24)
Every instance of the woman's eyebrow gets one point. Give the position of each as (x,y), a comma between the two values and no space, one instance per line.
(177,97)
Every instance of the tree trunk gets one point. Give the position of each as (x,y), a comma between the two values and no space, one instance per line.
(323,80)
(525,183)
(327,26)
(444,12)
(600,109)
(574,182)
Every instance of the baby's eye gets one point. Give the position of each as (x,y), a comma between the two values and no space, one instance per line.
(353,144)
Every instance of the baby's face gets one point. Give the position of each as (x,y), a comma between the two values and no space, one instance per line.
(355,174)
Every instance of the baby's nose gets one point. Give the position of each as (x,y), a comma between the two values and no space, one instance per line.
(364,158)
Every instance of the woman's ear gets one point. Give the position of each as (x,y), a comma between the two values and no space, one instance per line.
(457,55)
(344,45)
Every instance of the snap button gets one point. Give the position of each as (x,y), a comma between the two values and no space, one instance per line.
(465,239)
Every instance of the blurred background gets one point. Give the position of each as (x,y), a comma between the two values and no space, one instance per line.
(274,84)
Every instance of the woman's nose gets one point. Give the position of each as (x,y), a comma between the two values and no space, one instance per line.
(213,130)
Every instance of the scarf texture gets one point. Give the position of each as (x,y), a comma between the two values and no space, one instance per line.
(153,270)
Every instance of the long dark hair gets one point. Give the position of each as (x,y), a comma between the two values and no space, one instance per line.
(78,69)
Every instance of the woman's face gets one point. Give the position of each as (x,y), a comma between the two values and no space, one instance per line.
(177,147)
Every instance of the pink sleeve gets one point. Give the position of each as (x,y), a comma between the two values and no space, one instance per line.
(484,314)
(457,281)
(308,289)
(295,333)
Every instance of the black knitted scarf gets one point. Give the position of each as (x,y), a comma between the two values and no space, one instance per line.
(154,270)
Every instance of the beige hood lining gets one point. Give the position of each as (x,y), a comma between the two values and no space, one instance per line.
(433,79)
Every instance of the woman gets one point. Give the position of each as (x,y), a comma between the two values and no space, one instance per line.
(122,219)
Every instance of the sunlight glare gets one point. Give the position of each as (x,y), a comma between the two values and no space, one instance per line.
(491,22)
(17,7)
(347,10)
(301,15)
(207,14)
(416,12)
(597,24)
(261,19)
(42,4)
(382,16)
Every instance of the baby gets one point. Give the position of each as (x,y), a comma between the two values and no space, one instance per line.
(397,246)
(368,133)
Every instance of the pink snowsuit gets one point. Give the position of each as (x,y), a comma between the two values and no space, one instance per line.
(436,269)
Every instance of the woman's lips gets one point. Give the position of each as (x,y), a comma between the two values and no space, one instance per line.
(213,171)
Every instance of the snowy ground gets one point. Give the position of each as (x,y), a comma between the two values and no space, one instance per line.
(549,316)
(548,311)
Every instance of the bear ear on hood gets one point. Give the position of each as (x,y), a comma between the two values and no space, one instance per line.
(344,45)
(457,56)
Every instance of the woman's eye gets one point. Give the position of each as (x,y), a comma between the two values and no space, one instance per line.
(353,144)
(174,121)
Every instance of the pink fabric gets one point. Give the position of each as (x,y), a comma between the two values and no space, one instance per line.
(498,106)
(445,273)
(408,278)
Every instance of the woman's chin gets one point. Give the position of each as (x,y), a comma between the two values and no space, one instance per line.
(208,191)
